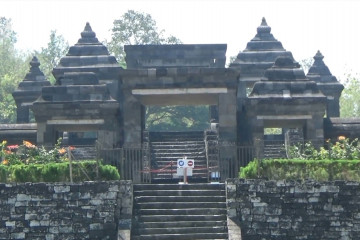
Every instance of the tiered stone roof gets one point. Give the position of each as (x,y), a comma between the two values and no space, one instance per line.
(29,90)
(327,83)
(33,82)
(286,80)
(259,54)
(88,55)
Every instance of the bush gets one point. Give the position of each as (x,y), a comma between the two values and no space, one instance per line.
(58,172)
(342,149)
(300,169)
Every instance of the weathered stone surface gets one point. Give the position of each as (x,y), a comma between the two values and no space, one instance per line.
(304,210)
(25,215)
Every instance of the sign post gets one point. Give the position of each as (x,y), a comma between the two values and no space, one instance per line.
(184,165)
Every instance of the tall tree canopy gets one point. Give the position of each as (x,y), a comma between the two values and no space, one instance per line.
(350,97)
(136,28)
(140,28)
(12,70)
(50,56)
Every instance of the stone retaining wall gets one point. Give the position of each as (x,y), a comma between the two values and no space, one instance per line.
(90,210)
(286,210)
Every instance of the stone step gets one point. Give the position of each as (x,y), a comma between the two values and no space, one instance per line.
(157,187)
(172,218)
(186,193)
(183,224)
(176,211)
(177,144)
(179,154)
(181,212)
(180,205)
(184,149)
(142,199)
(184,236)
(175,158)
(180,230)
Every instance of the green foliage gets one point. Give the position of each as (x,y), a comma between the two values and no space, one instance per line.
(3,173)
(50,56)
(342,149)
(135,28)
(13,68)
(339,161)
(350,97)
(251,170)
(58,172)
(306,64)
(300,169)
(27,153)
(177,118)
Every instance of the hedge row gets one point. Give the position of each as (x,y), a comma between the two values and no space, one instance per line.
(320,170)
(58,172)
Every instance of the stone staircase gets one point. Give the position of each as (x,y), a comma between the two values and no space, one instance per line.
(167,147)
(179,212)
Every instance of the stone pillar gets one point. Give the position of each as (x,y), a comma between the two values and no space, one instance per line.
(314,130)
(227,132)
(46,134)
(227,116)
(333,107)
(214,114)
(22,114)
(132,120)
(258,137)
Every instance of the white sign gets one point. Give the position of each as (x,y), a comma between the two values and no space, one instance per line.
(180,171)
(185,163)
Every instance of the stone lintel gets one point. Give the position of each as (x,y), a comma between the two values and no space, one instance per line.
(77,122)
(179,91)
(284,117)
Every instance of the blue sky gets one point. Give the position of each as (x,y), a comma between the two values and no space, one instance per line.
(303,27)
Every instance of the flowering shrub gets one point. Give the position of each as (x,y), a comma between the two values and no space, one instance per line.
(339,161)
(28,153)
(343,149)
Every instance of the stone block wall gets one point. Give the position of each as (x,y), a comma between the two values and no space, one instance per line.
(90,210)
(286,210)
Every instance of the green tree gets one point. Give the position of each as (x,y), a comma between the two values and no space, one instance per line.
(13,67)
(177,118)
(306,64)
(50,56)
(350,97)
(136,28)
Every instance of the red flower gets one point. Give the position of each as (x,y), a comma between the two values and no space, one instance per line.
(13,147)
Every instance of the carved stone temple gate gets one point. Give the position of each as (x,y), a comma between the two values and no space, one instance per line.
(199,78)
(263,88)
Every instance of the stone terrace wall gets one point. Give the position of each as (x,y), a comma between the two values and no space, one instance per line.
(286,210)
(90,210)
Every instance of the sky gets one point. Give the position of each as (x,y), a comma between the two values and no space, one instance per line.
(303,26)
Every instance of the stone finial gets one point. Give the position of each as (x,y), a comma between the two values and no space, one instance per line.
(318,56)
(34,62)
(35,74)
(263,28)
(88,32)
